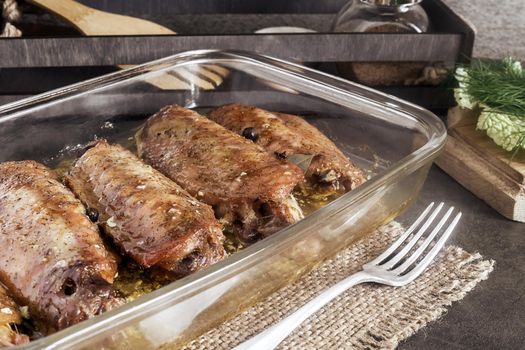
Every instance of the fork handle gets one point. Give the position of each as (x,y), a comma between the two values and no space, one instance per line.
(273,336)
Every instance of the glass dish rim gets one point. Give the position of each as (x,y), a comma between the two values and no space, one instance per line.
(250,256)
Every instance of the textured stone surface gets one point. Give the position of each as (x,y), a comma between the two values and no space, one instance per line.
(500,26)
(492,316)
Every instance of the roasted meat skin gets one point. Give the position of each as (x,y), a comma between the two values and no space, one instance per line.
(52,258)
(148,216)
(10,316)
(286,134)
(249,190)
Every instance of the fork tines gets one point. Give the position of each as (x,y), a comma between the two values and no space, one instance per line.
(415,249)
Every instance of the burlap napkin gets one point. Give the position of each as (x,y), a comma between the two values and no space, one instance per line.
(367,316)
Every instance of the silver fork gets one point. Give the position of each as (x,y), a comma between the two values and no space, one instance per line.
(391,268)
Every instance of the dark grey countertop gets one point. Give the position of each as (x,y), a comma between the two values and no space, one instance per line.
(492,316)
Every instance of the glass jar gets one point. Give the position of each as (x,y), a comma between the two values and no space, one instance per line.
(382,16)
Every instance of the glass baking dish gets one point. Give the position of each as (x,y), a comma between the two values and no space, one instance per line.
(394,141)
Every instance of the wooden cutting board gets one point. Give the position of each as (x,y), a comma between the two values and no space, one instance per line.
(482,167)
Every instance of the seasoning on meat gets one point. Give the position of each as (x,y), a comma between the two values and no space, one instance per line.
(148,216)
(52,258)
(285,134)
(249,190)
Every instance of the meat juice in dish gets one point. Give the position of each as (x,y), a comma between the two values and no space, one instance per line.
(250,191)
(52,258)
(148,216)
(285,135)
(10,319)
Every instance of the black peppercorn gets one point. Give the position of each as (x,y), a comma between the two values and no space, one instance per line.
(250,134)
(280,155)
(92,214)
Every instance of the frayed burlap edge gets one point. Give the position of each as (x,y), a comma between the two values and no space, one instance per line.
(368,316)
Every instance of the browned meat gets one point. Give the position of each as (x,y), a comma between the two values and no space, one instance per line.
(284,135)
(249,190)
(146,214)
(52,257)
(10,316)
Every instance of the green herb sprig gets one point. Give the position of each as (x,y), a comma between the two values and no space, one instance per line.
(498,89)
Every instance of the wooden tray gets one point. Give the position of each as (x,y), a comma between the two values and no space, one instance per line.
(217,24)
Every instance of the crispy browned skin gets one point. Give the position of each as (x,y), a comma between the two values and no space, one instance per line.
(10,316)
(52,257)
(285,134)
(249,190)
(151,218)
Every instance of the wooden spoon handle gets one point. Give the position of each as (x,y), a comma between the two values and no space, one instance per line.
(91,21)
(72,11)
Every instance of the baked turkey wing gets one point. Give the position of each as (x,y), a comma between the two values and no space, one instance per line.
(52,258)
(285,135)
(249,190)
(148,216)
